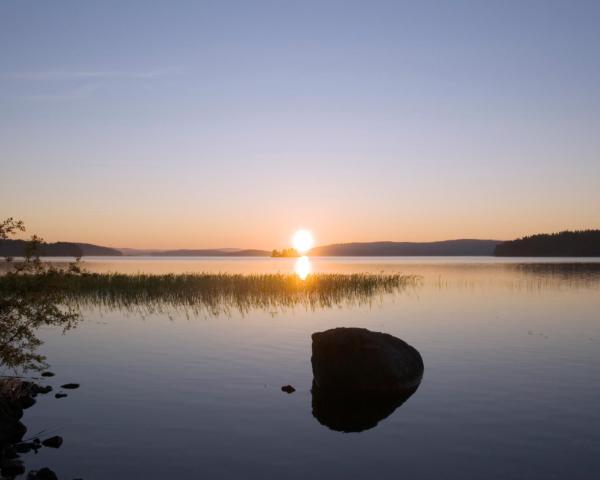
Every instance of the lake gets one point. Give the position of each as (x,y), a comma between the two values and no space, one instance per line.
(511,388)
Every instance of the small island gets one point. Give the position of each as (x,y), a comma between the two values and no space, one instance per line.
(285,253)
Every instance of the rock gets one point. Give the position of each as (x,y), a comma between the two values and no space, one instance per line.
(288,389)
(53,442)
(70,386)
(47,374)
(18,392)
(44,390)
(359,360)
(42,474)
(15,394)
(60,395)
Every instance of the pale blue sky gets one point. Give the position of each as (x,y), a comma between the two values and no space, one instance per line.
(208,124)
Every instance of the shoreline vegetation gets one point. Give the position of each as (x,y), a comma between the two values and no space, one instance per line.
(212,293)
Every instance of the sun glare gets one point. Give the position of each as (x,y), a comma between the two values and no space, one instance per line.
(303,241)
(302,267)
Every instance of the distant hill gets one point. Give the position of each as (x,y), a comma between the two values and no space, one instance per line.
(135,252)
(16,248)
(466,247)
(226,252)
(568,244)
(582,243)
(91,250)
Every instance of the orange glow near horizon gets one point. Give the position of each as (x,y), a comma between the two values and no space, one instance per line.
(270,226)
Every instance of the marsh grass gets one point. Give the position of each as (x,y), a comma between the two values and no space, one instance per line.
(207,292)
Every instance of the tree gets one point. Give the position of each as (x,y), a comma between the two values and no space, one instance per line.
(9,227)
(23,309)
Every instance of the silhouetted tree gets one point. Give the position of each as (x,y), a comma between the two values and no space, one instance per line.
(26,307)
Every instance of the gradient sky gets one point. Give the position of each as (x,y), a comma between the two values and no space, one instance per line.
(230,124)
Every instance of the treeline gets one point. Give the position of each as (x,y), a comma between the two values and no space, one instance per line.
(580,243)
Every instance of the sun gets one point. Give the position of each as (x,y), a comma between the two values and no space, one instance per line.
(303,241)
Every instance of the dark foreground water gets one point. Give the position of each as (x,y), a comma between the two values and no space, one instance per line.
(511,387)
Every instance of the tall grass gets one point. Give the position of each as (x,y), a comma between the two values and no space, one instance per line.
(209,292)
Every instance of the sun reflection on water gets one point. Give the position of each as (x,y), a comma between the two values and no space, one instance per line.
(303,267)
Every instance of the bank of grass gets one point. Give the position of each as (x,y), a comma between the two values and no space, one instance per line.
(206,291)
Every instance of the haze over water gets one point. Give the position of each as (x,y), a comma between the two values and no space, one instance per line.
(511,352)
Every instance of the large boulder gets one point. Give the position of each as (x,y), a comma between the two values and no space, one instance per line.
(361,361)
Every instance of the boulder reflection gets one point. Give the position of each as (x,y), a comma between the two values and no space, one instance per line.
(354,412)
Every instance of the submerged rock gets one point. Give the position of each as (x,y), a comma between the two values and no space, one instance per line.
(60,395)
(70,386)
(288,389)
(53,442)
(359,360)
(47,374)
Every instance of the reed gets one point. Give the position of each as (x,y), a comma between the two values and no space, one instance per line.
(211,292)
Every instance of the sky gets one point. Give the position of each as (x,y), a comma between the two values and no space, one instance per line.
(195,124)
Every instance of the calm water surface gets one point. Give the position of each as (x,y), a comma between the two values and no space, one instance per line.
(511,387)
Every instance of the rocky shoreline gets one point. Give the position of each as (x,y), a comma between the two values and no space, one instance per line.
(17,395)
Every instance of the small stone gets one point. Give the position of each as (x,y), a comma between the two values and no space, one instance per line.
(44,390)
(47,374)
(70,386)
(288,389)
(53,442)
(60,395)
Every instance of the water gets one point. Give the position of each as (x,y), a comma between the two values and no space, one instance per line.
(511,386)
